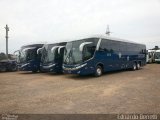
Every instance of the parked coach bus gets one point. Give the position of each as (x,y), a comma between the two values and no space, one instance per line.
(157,56)
(150,56)
(29,59)
(52,57)
(98,54)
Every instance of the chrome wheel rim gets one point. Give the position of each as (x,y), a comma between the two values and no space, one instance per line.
(14,69)
(134,67)
(99,71)
(138,66)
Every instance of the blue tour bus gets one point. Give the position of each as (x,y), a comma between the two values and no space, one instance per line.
(100,53)
(29,59)
(52,57)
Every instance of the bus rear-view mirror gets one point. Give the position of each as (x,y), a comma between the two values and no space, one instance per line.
(53,49)
(59,49)
(39,50)
(83,44)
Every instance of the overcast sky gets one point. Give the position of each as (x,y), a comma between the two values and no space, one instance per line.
(32,21)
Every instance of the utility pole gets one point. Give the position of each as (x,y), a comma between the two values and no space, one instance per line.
(108,31)
(7,29)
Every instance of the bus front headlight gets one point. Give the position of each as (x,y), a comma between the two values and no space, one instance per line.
(78,67)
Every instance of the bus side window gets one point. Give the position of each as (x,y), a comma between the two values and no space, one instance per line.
(106,46)
(111,51)
(114,46)
(122,47)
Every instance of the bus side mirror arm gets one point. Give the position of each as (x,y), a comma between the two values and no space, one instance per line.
(39,50)
(53,48)
(82,45)
(59,49)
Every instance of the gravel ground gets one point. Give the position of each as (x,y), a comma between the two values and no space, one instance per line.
(114,92)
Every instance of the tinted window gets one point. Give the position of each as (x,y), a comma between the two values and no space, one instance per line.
(122,46)
(104,45)
(136,48)
(111,46)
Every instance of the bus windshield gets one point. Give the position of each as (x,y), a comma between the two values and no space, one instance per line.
(80,50)
(27,54)
(157,55)
(47,54)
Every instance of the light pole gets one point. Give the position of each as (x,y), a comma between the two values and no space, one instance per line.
(108,31)
(7,29)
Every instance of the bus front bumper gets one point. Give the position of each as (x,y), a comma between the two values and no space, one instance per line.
(51,68)
(27,67)
(83,69)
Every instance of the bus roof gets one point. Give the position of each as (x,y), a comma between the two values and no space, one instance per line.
(48,43)
(157,50)
(115,39)
(151,50)
(108,37)
(32,45)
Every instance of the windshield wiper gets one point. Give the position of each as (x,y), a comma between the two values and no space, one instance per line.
(68,56)
(44,56)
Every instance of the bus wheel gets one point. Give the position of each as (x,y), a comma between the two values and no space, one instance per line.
(138,66)
(134,67)
(14,68)
(3,69)
(98,71)
(34,71)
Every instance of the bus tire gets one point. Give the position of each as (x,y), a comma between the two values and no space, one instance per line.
(14,68)
(138,66)
(34,71)
(3,69)
(98,71)
(41,71)
(134,67)
(59,72)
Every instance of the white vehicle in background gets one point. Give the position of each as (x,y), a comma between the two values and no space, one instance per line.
(157,56)
(150,56)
